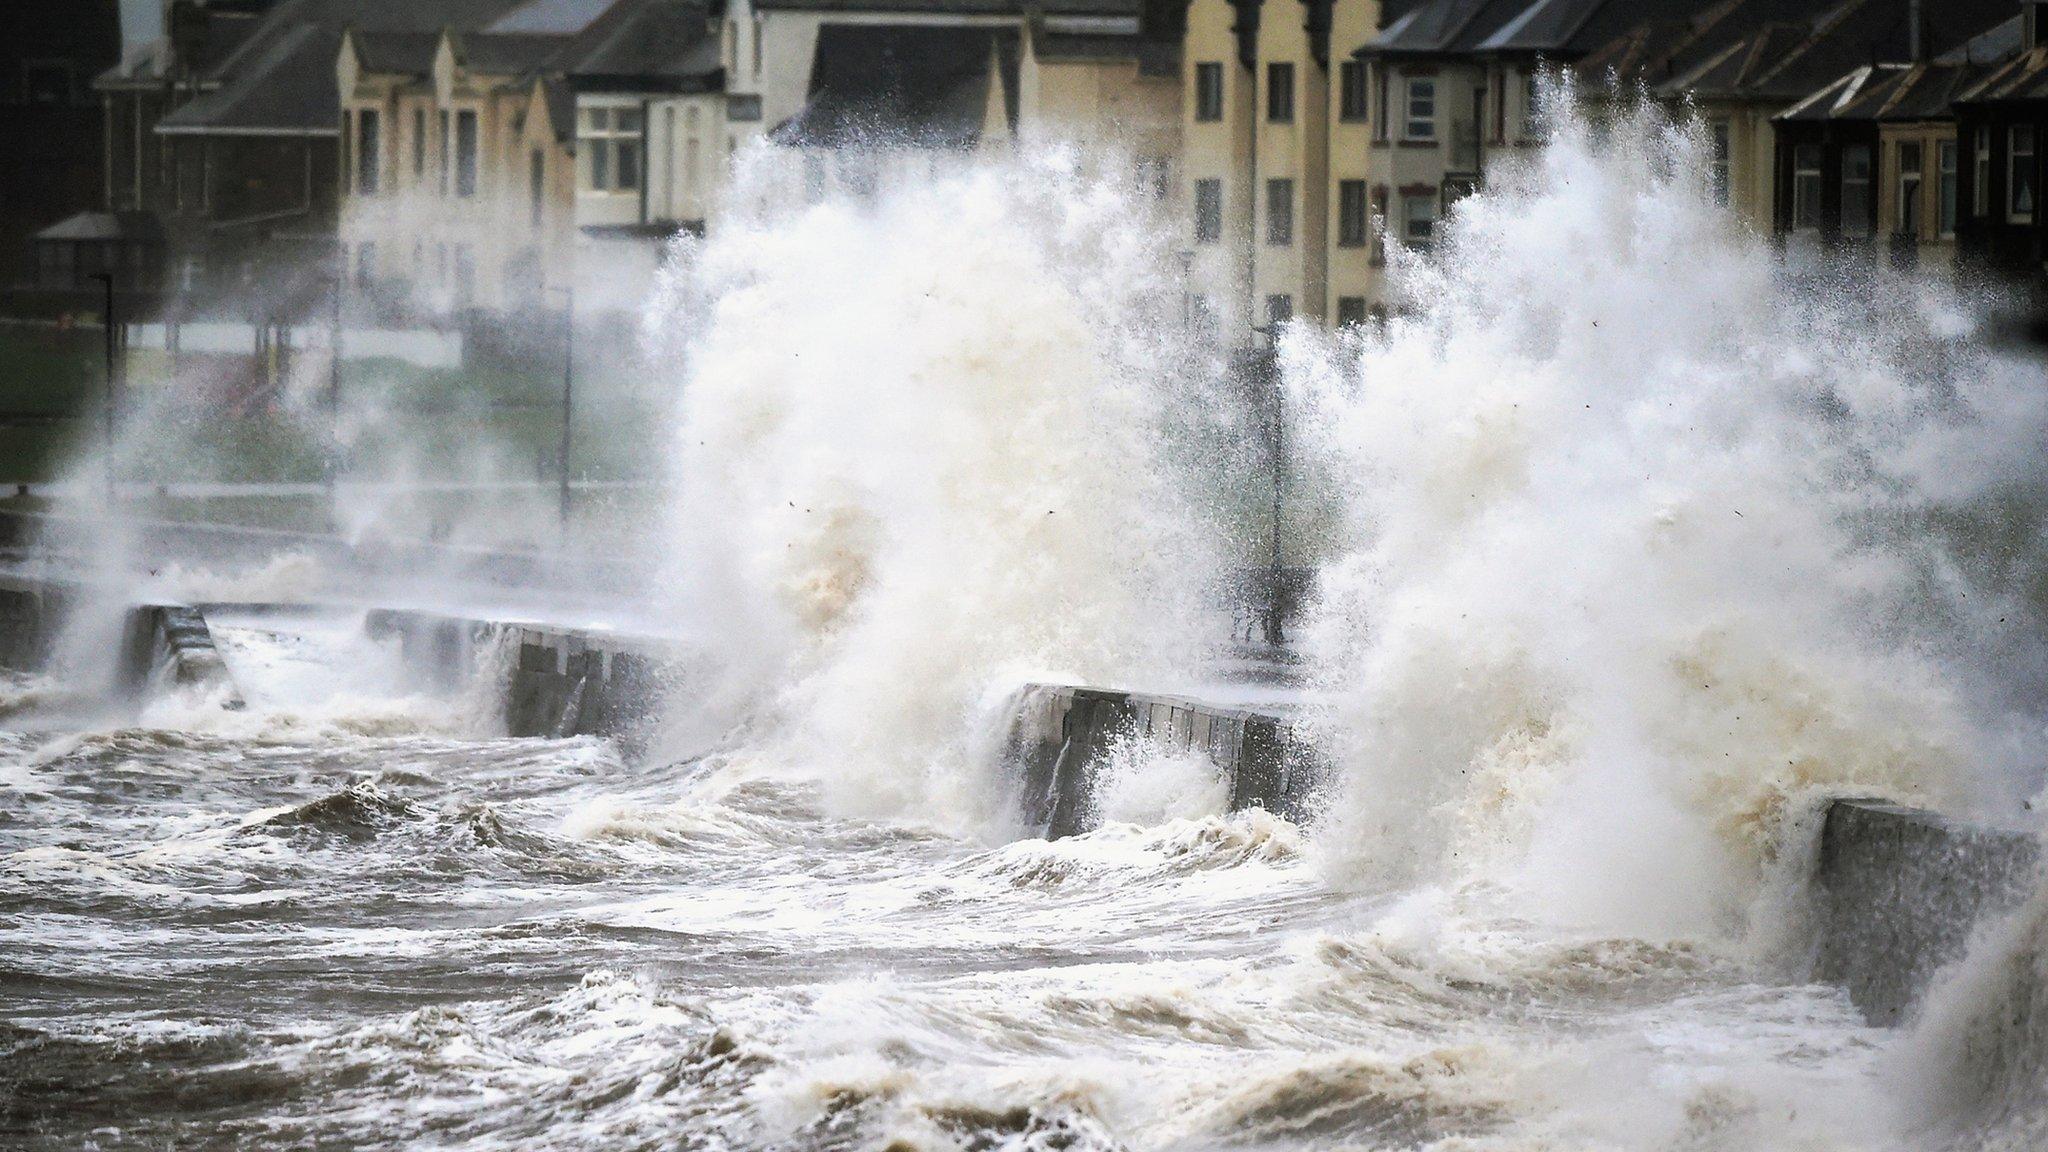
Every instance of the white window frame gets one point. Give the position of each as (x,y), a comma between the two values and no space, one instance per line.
(1860,227)
(1908,215)
(1980,195)
(1720,150)
(2013,213)
(600,133)
(1806,187)
(1947,172)
(1433,215)
(1410,121)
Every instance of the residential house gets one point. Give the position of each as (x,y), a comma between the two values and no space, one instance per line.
(51,126)
(483,167)
(1874,164)
(1274,127)
(1739,64)
(855,91)
(2001,123)
(1454,86)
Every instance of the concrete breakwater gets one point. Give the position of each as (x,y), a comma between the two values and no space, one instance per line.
(1902,891)
(1900,894)
(1062,738)
(159,644)
(556,681)
(171,644)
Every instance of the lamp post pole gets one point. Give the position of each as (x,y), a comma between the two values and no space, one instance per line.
(334,375)
(1276,440)
(111,399)
(568,396)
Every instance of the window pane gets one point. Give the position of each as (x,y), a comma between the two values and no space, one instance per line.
(1209,91)
(1421,123)
(465,153)
(1351,90)
(1279,212)
(2020,171)
(1856,190)
(600,164)
(1208,211)
(628,120)
(1418,214)
(629,165)
(1280,93)
(367,151)
(1351,216)
(1947,158)
(1806,186)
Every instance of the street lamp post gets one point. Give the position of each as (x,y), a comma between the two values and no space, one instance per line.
(1273,615)
(568,394)
(110,400)
(334,375)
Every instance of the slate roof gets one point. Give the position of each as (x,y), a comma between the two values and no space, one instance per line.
(1557,29)
(1890,93)
(1778,49)
(2024,77)
(397,53)
(916,85)
(641,42)
(280,79)
(1444,27)
(284,86)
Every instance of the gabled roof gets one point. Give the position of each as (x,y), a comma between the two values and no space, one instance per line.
(283,88)
(2024,77)
(1445,27)
(503,53)
(1554,29)
(903,85)
(1779,50)
(1890,92)
(396,53)
(641,44)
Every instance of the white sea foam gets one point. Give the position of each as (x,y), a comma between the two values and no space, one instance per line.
(1644,547)
(922,459)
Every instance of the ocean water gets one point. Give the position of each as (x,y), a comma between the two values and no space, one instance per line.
(1636,541)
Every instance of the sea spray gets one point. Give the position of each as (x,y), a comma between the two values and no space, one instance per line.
(1642,553)
(924,455)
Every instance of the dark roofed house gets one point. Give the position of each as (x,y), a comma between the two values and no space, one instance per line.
(1740,63)
(50,122)
(1870,163)
(2001,125)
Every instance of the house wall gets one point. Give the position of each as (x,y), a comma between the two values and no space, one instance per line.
(1296,151)
(1218,150)
(1931,246)
(1351,271)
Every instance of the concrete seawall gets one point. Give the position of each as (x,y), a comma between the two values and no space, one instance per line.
(33,613)
(1062,737)
(558,681)
(170,644)
(1902,890)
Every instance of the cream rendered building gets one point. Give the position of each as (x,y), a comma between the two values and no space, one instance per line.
(481,169)
(1274,158)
